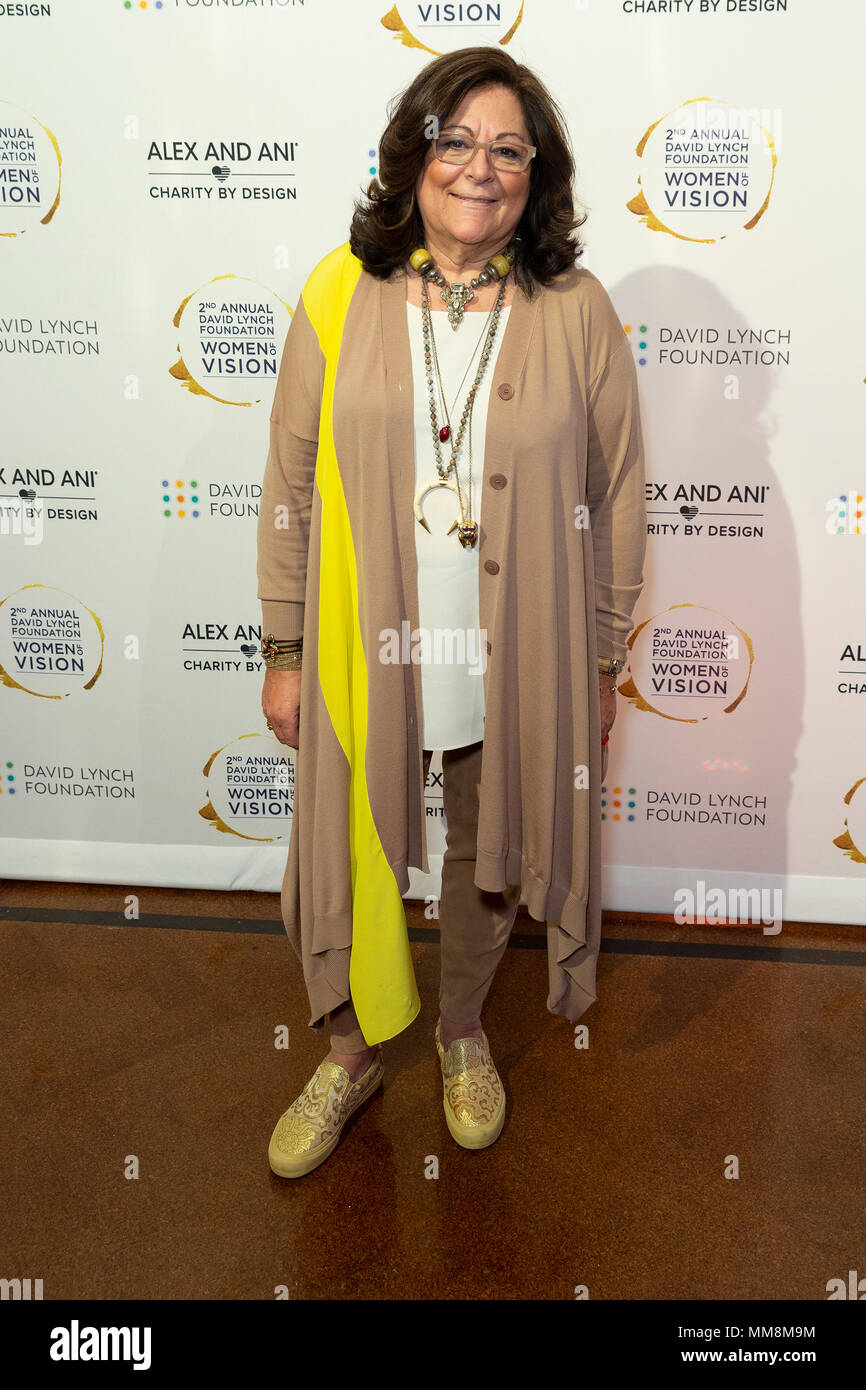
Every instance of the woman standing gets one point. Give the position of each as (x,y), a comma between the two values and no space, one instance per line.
(456,461)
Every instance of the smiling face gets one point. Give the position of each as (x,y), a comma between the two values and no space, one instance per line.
(470,210)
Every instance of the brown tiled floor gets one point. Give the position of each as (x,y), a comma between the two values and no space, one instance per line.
(155,1040)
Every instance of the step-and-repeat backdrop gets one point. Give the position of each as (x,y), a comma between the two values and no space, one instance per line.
(171,171)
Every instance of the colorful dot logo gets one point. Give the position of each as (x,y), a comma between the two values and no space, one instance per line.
(371,155)
(856,515)
(6,779)
(642,341)
(180,503)
(619,804)
(143,5)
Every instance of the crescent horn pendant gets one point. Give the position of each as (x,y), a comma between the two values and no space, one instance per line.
(440,482)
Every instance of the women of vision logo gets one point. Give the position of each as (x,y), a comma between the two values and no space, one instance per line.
(706,170)
(688,663)
(453,24)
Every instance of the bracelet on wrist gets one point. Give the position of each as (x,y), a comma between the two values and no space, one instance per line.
(611,667)
(284,663)
(282,654)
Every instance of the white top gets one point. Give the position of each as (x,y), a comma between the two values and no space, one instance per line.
(451,646)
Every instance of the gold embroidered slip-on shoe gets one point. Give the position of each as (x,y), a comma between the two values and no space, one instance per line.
(474,1097)
(310,1129)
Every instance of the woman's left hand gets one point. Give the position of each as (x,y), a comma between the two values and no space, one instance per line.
(607,700)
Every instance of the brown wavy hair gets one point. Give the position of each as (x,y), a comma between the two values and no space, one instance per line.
(387,225)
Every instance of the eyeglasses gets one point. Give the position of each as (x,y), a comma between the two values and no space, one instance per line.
(459,147)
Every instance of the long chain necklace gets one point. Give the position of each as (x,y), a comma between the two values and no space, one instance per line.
(446,431)
(467,529)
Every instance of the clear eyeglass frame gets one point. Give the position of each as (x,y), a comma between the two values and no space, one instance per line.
(526,152)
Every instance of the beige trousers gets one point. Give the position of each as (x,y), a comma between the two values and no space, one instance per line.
(474,925)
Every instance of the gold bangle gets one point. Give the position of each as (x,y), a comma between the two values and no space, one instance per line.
(282,655)
(286,661)
(611,667)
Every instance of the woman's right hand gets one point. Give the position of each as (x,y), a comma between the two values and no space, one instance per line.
(281,703)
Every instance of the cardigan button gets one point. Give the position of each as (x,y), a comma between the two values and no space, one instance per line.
(491,566)
(506,391)
(498,480)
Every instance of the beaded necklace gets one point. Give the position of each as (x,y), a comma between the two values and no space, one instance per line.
(456,295)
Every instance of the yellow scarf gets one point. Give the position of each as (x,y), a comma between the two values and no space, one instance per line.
(381,977)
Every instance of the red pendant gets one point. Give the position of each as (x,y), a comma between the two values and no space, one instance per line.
(445,433)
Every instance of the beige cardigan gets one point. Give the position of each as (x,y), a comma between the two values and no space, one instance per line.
(561,554)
